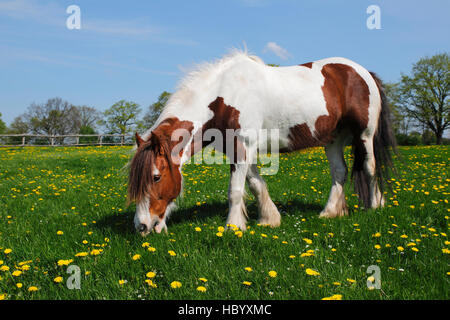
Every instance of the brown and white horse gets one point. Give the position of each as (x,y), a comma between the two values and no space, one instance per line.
(330,102)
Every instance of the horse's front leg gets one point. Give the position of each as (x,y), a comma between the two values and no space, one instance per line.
(237,215)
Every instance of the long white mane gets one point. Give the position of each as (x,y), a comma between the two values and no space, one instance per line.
(203,70)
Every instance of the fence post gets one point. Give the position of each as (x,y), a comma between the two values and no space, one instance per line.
(23,141)
(100,140)
(122,139)
(78,140)
(52,141)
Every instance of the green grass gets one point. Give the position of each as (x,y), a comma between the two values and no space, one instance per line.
(81,192)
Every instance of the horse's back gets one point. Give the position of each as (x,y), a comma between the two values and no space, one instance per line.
(308,103)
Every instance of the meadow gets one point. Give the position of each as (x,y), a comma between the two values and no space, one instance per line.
(67,206)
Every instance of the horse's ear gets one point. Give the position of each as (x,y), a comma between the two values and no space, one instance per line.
(157,142)
(139,140)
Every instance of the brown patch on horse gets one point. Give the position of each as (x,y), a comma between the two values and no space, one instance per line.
(225,117)
(300,137)
(308,65)
(347,101)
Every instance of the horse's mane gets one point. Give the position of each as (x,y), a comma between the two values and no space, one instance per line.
(202,70)
(141,166)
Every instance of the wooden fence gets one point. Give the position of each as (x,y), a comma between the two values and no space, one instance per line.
(38,140)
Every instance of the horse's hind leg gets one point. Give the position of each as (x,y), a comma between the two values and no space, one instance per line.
(376,198)
(336,205)
(268,212)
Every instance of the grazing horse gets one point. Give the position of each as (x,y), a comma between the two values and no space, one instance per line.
(331,102)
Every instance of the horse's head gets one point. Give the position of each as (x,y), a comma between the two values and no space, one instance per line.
(154,183)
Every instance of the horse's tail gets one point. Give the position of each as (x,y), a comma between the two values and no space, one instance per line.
(384,145)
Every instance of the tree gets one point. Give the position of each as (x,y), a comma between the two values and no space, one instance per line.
(55,117)
(424,94)
(86,117)
(19,125)
(87,130)
(2,124)
(155,109)
(400,119)
(121,117)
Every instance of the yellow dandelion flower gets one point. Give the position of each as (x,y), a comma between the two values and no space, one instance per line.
(351,280)
(17,273)
(151,249)
(58,279)
(333,297)
(219,234)
(6,251)
(312,272)
(400,248)
(136,257)
(122,281)
(272,274)
(198,229)
(4,268)
(376,235)
(81,254)
(175,284)
(63,262)
(248,269)
(203,279)
(172,253)
(377,246)
(221,229)
(415,249)
(95,252)
(150,274)
(32,289)
(201,289)
(19,285)
(59,233)
(145,244)
(151,283)
(308,241)
(247,283)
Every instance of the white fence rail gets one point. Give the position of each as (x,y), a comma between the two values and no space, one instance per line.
(74,140)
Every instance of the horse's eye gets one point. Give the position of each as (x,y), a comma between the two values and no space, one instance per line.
(156,178)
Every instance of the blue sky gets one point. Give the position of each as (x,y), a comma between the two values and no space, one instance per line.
(134,50)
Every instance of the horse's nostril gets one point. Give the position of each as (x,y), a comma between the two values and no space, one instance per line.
(142,228)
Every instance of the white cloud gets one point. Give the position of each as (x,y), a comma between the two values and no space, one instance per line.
(279,51)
